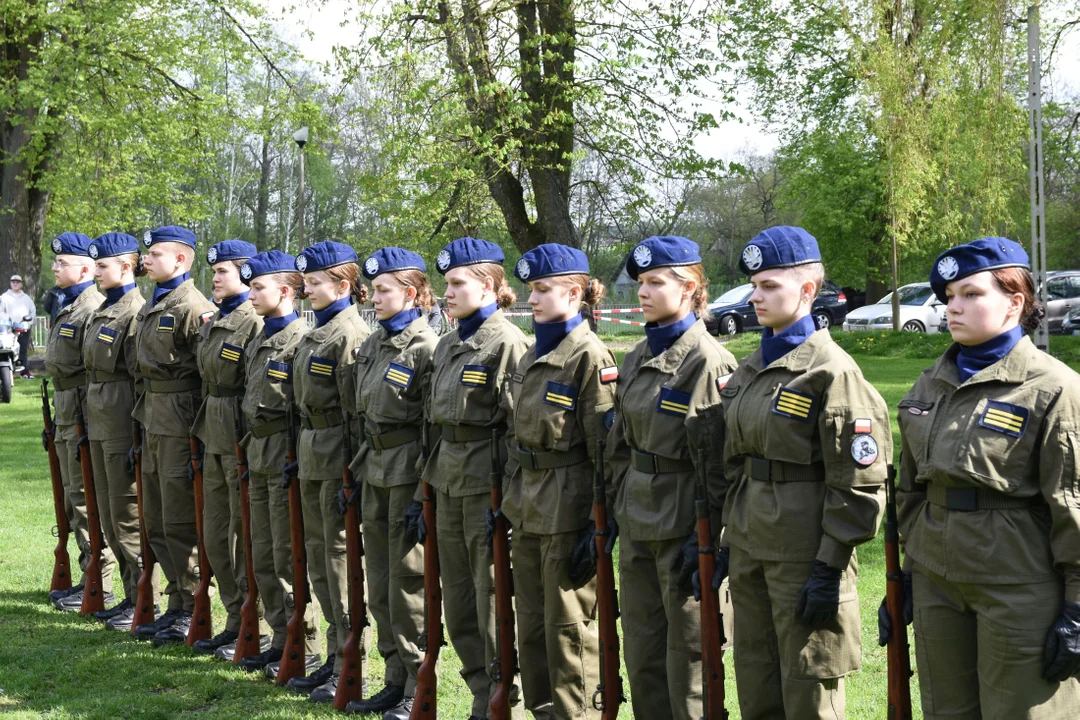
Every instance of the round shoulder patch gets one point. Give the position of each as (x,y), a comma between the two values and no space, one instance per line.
(57,246)
(372,266)
(752,256)
(301,263)
(443,260)
(947,267)
(245,271)
(864,450)
(523,269)
(146,238)
(211,255)
(642,256)
(93,251)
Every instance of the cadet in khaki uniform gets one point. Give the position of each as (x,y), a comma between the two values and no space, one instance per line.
(667,380)
(74,272)
(167,337)
(221,364)
(393,373)
(275,285)
(987,501)
(562,390)
(109,358)
(806,454)
(324,383)
(469,398)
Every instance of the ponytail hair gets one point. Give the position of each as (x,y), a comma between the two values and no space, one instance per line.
(417,279)
(699,301)
(295,281)
(135,259)
(504,294)
(1018,280)
(592,290)
(350,272)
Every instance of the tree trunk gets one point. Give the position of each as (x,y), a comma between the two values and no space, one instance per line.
(262,203)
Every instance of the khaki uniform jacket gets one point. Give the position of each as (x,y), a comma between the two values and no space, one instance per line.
(222,343)
(167,339)
(559,405)
(324,383)
(658,410)
(1012,428)
(393,378)
(268,393)
(803,410)
(471,385)
(110,349)
(64,352)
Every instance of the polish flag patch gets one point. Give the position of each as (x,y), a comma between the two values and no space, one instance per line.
(609,374)
(721,382)
(864,426)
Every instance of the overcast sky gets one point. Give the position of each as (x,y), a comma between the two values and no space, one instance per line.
(299,21)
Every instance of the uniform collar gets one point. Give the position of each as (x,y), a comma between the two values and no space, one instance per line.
(399,322)
(467,327)
(670,360)
(796,360)
(272,326)
(235,319)
(164,288)
(68,295)
(405,336)
(232,302)
(975,358)
(550,335)
(563,351)
(487,328)
(1010,369)
(776,345)
(113,294)
(328,313)
(321,332)
(662,337)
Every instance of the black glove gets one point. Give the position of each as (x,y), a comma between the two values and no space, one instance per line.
(129,461)
(1061,654)
(819,600)
(491,515)
(722,559)
(613,535)
(344,502)
(686,562)
(287,469)
(884,621)
(583,558)
(415,529)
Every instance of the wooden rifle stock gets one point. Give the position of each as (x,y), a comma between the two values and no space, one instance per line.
(93,596)
(144,601)
(505,641)
(712,623)
(294,658)
(201,627)
(350,685)
(897,651)
(427,683)
(247,641)
(61,574)
(609,693)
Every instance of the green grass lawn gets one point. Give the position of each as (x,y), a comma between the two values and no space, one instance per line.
(63,666)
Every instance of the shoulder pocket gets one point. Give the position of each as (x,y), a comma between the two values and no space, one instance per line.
(916,404)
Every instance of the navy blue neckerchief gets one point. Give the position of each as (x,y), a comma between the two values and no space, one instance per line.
(164,288)
(399,322)
(68,294)
(774,347)
(232,302)
(467,327)
(330,312)
(113,294)
(549,335)
(271,326)
(662,337)
(972,359)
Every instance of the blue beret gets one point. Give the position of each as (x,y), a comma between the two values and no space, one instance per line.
(71,243)
(323,255)
(392,259)
(112,244)
(661,251)
(549,260)
(171,233)
(267,263)
(230,250)
(468,251)
(988,253)
(779,246)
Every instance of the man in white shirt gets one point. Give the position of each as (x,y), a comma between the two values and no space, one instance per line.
(19,309)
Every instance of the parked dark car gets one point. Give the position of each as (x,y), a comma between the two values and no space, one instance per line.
(732,312)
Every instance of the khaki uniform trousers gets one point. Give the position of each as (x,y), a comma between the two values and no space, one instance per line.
(979,650)
(395,588)
(271,550)
(324,536)
(662,632)
(67,441)
(118,508)
(783,669)
(222,534)
(558,648)
(169,512)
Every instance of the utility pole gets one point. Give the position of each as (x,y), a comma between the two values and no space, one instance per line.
(1035,172)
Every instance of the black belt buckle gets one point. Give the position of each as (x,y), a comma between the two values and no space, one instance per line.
(527,458)
(647,462)
(962,499)
(761,468)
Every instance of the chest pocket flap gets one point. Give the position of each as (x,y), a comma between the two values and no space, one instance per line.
(673,402)
(166,323)
(559,395)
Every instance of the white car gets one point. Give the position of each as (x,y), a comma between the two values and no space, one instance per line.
(920,311)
